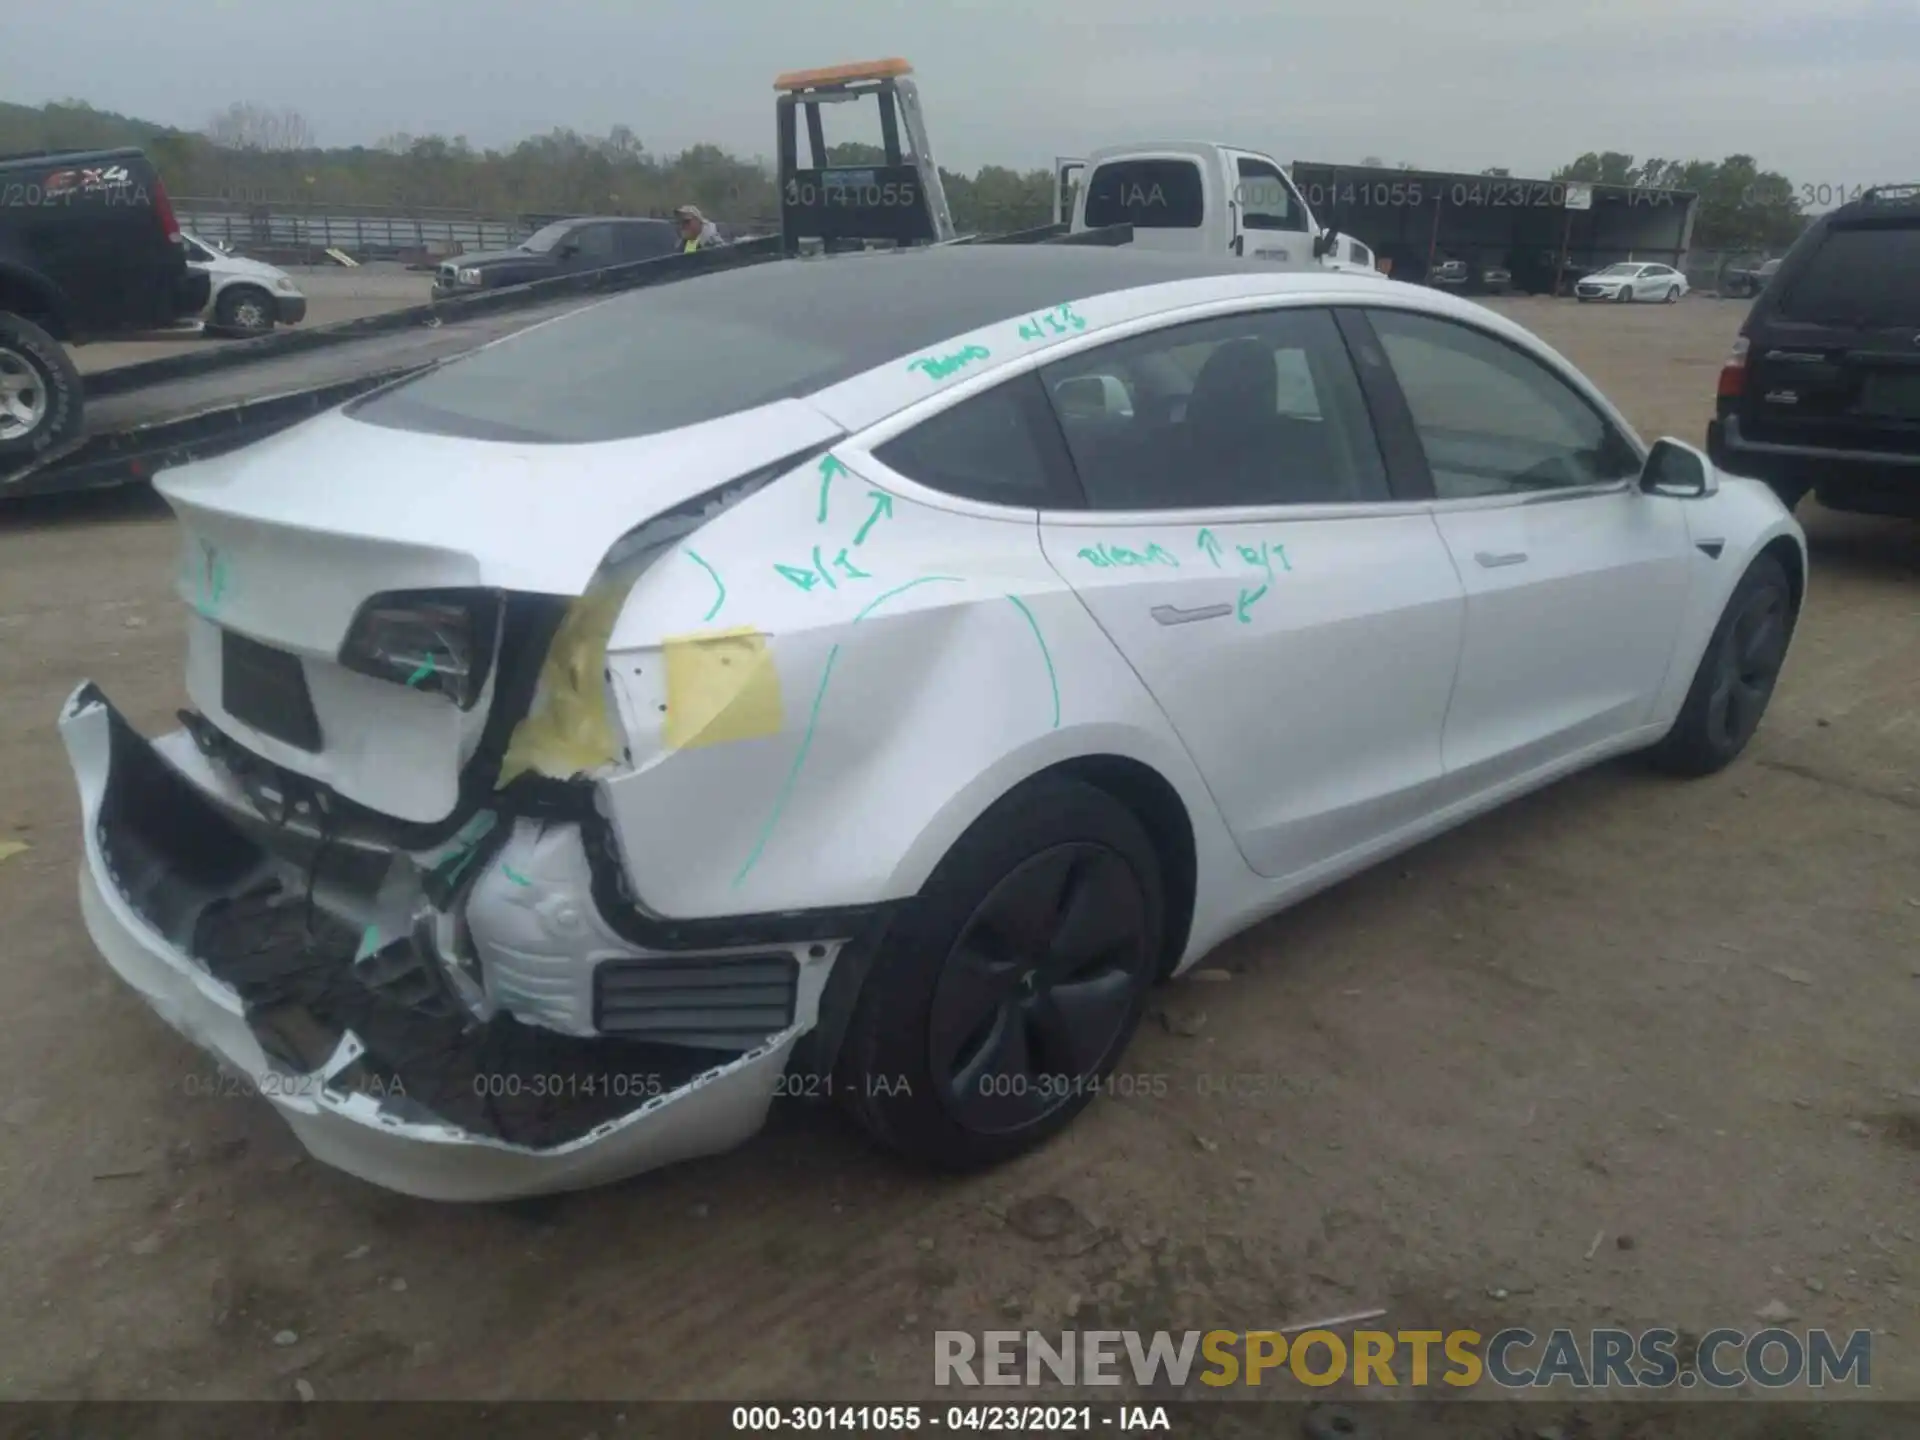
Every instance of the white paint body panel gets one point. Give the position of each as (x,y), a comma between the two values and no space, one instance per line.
(1570,623)
(913,698)
(1312,693)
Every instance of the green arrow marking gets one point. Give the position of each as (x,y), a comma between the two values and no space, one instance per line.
(721,598)
(1246,601)
(1212,546)
(882,506)
(829,467)
(426,669)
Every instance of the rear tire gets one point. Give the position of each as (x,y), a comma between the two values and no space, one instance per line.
(245,310)
(1004,994)
(40,391)
(1736,676)
(1673,293)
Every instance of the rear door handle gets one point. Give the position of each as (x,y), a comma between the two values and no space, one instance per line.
(1174,615)
(1493,562)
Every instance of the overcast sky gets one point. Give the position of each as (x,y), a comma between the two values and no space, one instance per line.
(1822,90)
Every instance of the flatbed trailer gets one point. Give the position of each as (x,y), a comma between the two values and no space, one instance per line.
(153,414)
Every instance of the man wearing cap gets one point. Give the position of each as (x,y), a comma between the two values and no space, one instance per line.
(696,231)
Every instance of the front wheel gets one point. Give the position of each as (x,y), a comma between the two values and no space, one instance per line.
(40,391)
(1007,990)
(1625,297)
(1736,675)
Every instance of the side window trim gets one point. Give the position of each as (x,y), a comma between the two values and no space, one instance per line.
(1408,475)
(1575,387)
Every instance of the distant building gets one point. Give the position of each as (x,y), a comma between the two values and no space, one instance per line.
(1416,218)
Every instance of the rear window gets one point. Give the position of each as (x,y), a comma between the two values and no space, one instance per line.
(1150,194)
(1866,278)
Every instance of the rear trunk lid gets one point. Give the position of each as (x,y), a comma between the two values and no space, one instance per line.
(1835,357)
(284,541)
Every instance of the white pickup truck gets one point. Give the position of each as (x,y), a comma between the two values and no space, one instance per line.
(1199,198)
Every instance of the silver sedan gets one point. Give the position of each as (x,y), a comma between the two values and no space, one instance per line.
(1633,280)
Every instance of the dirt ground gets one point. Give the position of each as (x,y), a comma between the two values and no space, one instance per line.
(1632,1051)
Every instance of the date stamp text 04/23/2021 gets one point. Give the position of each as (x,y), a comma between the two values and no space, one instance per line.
(951,1419)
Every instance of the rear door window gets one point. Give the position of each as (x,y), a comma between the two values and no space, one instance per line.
(1149,194)
(1246,410)
(1862,278)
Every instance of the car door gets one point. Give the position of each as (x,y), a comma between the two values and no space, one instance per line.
(643,240)
(1240,544)
(1272,219)
(591,247)
(1575,579)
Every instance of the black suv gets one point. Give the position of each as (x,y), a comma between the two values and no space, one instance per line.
(1822,390)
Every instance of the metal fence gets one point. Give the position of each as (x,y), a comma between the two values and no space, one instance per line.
(1706,269)
(365,232)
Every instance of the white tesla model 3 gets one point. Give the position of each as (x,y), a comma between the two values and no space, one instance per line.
(869,675)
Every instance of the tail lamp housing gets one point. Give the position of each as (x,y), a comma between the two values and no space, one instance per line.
(440,642)
(1733,371)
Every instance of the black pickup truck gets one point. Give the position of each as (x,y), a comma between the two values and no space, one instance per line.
(89,247)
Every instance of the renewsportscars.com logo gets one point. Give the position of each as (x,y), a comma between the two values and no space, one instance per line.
(1513,1359)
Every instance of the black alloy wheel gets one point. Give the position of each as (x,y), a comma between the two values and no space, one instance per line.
(1038,989)
(1001,997)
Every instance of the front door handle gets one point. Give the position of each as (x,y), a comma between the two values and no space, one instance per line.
(1493,562)
(1174,615)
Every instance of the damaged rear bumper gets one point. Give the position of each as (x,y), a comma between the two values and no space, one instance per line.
(162,864)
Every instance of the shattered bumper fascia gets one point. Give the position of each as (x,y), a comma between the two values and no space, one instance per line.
(712,1112)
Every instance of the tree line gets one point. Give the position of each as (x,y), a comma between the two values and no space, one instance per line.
(259,154)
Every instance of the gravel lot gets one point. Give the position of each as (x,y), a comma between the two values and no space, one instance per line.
(1679,1017)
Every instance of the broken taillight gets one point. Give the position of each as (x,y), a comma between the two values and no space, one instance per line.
(1733,373)
(439,641)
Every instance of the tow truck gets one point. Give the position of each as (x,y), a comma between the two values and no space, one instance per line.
(147,416)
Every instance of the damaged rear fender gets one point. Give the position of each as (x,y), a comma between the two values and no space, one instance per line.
(816,708)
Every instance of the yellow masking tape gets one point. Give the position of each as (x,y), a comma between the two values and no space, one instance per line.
(721,686)
(570,729)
